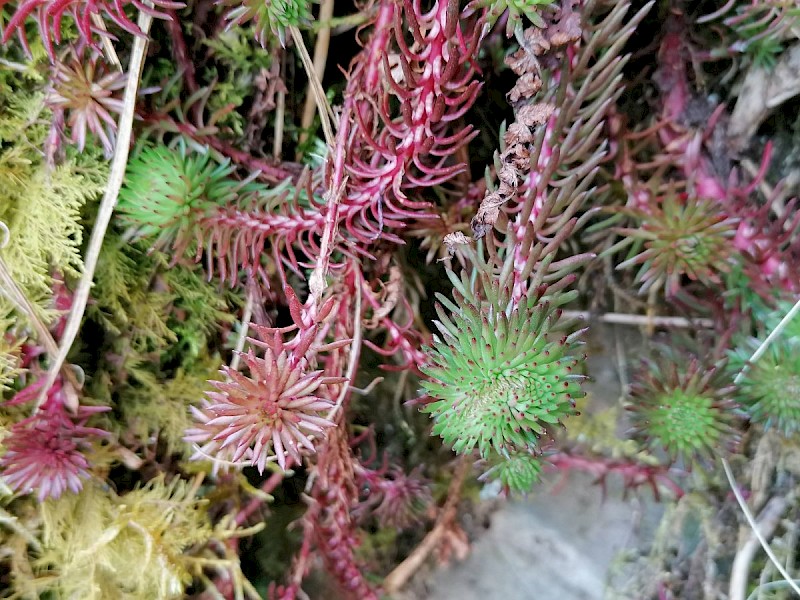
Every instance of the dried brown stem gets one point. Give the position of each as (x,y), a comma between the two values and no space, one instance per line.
(320,60)
(405,570)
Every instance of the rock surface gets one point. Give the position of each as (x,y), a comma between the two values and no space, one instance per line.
(555,545)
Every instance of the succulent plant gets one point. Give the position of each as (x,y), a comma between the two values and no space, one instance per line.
(273,16)
(683,407)
(502,372)
(396,499)
(517,9)
(758,30)
(770,387)
(46,452)
(516,472)
(85,13)
(272,411)
(84,88)
(167,191)
(682,237)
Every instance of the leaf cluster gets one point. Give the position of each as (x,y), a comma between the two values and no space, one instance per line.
(40,203)
(99,545)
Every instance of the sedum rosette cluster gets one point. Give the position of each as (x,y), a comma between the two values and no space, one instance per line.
(683,407)
(682,239)
(769,386)
(517,473)
(502,372)
(273,411)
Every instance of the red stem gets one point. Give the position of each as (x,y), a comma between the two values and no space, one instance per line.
(181,51)
(269,172)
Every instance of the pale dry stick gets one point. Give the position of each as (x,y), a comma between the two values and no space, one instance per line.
(621,361)
(395,580)
(793,529)
(325,111)
(14,66)
(15,295)
(355,347)
(108,47)
(316,282)
(115,178)
(740,591)
(739,575)
(247,315)
(651,311)
(320,60)
(768,587)
(767,522)
(339,25)
(762,348)
(639,320)
(280,115)
(367,390)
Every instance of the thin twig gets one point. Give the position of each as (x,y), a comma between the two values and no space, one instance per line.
(372,385)
(768,521)
(765,344)
(336,185)
(638,320)
(105,40)
(14,66)
(317,280)
(325,111)
(320,60)
(17,297)
(339,25)
(769,587)
(280,116)
(355,348)
(247,316)
(739,592)
(405,570)
(115,177)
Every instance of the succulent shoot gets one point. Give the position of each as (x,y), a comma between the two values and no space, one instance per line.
(518,10)
(274,412)
(683,408)
(269,16)
(682,238)
(502,371)
(167,191)
(516,472)
(770,387)
(85,89)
